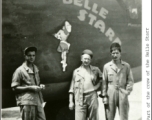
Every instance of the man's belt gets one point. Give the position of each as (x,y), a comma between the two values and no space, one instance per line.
(87,93)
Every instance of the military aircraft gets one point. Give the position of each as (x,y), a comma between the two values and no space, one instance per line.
(95,24)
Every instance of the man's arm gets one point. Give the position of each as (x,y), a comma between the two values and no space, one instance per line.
(130,80)
(104,86)
(71,103)
(104,82)
(98,80)
(99,77)
(71,93)
(16,84)
(21,89)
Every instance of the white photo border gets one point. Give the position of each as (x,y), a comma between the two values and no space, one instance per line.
(146,59)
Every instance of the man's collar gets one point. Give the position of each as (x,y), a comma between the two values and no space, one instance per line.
(90,66)
(28,69)
(80,71)
(114,67)
(121,61)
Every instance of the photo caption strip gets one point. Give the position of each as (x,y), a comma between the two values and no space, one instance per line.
(146,60)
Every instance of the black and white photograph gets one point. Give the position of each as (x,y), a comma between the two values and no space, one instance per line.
(76,60)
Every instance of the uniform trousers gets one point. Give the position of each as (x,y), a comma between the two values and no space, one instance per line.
(31,112)
(89,109)
(117,99)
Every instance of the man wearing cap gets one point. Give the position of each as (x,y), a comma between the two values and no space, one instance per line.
(26,84)
(117,84)
(86,80)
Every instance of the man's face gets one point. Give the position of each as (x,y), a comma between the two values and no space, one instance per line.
(86,59)
(116,55)
(30,57)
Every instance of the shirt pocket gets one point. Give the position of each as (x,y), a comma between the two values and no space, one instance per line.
(111,76)
(77,81)
(26,80)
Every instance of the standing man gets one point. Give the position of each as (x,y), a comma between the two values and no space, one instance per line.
(26,84)
(117,84)
(86,80)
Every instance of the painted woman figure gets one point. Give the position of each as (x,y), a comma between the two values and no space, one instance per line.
(64,46)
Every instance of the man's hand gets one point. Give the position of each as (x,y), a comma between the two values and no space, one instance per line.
(129,88)
(71,105)
(35,88)
(128,93)
(105,100)
(42,86)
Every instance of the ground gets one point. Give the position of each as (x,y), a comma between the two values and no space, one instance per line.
(135,113)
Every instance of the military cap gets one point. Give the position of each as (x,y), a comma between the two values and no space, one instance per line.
(89,52)
(28,49)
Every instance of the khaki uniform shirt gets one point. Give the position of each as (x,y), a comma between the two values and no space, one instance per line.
(24,76)
(123,78)
(78,82)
